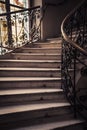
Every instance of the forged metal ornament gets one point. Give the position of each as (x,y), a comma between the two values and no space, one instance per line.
(25,28)
(75,82)
(35,20)
(81,87)
(81,92)
(67,64)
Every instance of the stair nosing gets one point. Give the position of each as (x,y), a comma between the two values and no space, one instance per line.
(28,91)
(31,107)
(14,60)
(28,79)
(46,48)
(54,125)
(30,69)
(45,43)
(37,54)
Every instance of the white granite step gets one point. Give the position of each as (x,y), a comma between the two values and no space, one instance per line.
(27,79)
(31,107)
(46,44)
(29,69)
(35,56)
(29,82)
(27,96)
(41,61)
(39,50)
(30,63)
(29,72)
(28,91)
(73,124)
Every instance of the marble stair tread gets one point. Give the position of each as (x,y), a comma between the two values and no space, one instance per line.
(48,41)
(54,39)
(39,50)
(48,48)
(53,125)
(31,107)
(28,79)
(14,60)
(37,54)
(30,69)
(28,91)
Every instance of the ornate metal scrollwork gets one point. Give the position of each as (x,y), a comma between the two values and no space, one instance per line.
(67,68)
(25,26)
(34,25)
(74,62)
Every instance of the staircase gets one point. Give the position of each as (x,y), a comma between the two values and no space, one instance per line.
(31,97)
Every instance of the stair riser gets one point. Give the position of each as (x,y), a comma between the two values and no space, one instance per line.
(32,122)
(36,57)
(32,57)
(31,73)
(45,45)
(6,100)
(27,50)
(71,127)
(30,84)
(56,111)
(31,64)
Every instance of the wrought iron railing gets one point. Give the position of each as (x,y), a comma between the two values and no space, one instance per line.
(18,28)
(74,58)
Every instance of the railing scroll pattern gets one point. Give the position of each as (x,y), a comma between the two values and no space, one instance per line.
(74,58)
(24,28)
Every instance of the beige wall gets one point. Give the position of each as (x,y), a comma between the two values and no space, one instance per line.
(36,2)
(54,16)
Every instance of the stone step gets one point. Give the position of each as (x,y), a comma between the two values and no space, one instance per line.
(45,44)
(53,40)
(32,111)
(26,96)
(32,56)
(35,56)
(72,124)
(29,72)
(39,50)
(29,82)
(30,63)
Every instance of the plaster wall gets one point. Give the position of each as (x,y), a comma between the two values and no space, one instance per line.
(54,15)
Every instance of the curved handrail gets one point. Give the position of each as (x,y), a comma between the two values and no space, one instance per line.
(66,38)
